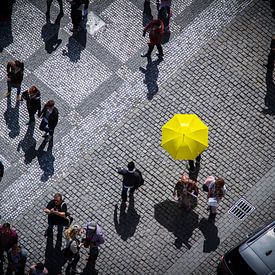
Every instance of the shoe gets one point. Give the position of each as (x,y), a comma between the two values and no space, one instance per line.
(18,98)
(76,270)
(159,55)
(45,135)
(7,94)
(145,55)
(48,138)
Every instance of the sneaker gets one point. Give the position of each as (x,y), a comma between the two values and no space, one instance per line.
(18,98)
(7,94)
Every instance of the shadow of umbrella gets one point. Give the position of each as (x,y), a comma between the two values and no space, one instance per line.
(11,116)
(176,220)
(127,222)
(210,233)
(270,94)
(151,76)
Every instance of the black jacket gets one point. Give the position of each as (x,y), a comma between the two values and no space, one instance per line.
(16,78)
(53,118)
(130,179)
(33,103)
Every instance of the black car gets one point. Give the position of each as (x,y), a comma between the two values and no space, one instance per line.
(255,255)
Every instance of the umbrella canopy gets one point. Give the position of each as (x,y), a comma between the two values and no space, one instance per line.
(184,136)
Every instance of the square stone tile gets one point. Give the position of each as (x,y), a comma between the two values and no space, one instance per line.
(71,77)
(2,71)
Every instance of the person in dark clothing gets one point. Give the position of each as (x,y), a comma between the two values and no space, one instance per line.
(1,170)
(156,30)
(86,7)
(56,211)
(32,97)
(192,165)
(164,12)
(271,56)
(49,3)
(15,73)
(49,121)
(131,180)
(6,10)
(76,14)
(17,258)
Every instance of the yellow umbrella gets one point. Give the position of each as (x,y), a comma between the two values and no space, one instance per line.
(184,136)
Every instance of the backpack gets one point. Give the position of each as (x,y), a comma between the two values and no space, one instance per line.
(141,180)
(67,252)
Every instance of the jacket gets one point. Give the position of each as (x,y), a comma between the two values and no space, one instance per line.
(97,237)
(53,118)
(154,35)
(7,240)
(15,76)
(33,103)
(130,178)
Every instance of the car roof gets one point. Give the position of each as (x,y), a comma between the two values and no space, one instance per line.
(259,250)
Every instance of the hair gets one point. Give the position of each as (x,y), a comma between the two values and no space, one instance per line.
(72,232)
(220,182)
(131,166)
(18,63)
(58,195)
(33,90)
(6,225)
(50,103)
(158,23)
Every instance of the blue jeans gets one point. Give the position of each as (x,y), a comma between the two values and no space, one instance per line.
(10,86)
(44,127)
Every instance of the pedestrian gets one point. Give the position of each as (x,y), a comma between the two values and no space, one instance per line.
(73,245)
(49,121)
(15,73)
(76,14)
(132,179)
(8,237)
(271,56)
(164,12)
(1,170)
(156,30)
(49,3)
(94,238)
(17,258)
(38,269)
(191,164)
(185,191)
(216,191)
(32,97)
(57,212)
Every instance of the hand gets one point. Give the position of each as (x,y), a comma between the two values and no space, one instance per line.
(47,211)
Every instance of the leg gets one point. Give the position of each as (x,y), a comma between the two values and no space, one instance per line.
(60,5)
(198,160)
(44,126)
(59,231)
(9,89)
(32,118)
(92,258)
(132,190)
(49,3)
(124,194)
(160,49)
(191,165)
(75,260)
(49,230)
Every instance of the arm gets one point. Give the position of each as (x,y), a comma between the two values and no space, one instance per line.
(74,247)
(100,240)
(148,26)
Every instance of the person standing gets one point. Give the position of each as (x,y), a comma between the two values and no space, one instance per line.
(38,269)
(76,14)
(32,97)
(17,258)
(191,164)
(164,12)
(56,211)
(15,73)
(156,31)
(271,56)
(131,180)
(49,121)
(1,170)
(49,3)
(94,238)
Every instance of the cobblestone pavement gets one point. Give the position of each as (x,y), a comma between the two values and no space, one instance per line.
(112,112)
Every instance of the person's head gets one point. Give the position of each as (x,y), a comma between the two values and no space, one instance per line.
(91,226)
(15,249)
(39,267)
(57,199)
(17,63)
(6,228)
(33,91)
(73,231)
(131,166)
(220,182)
(50,105)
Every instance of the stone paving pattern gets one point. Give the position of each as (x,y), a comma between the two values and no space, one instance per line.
(212,67)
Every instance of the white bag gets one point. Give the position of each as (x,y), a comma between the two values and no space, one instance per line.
(212,202)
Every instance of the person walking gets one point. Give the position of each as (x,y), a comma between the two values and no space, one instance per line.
(15,73)
(56,211)
(33,100)
(76,14)
(1,170)
(192,167)
(164,12)
(94,238)
(73,245)
(156,31)
(132,179)
(17,258)
(86,8)
(38,269)
(49,3)
(216,191)
(271,56)
(49,121)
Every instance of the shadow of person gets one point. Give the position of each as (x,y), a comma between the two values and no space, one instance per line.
(210,233)
(76,44)
(176,220)
(147,13)
(49,34)
(127,222)
(46,160)
(270,94)
(28,145)
(151,76)
(11,116)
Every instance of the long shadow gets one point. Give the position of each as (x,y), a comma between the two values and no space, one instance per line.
(6,37)
(151,76)
(28,145)
(49,34)
(11,116)
(178,221)
(126,223)
(76,44)
(270,94)
(147,13)
(210,233)
(46,160)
